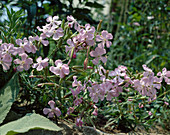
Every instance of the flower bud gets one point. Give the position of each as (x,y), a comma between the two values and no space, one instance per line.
(85,63)
(99,25)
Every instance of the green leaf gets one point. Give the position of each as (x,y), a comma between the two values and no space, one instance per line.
(30,121)
(95,5)
(8,12)
(8,95)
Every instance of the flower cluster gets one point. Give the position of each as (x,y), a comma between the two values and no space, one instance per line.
(107,84)
(148,84)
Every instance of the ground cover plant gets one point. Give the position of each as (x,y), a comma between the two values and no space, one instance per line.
(73,81)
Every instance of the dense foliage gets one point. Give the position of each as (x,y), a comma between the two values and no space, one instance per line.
(65,58)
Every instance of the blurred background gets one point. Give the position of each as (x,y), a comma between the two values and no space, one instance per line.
(140,28)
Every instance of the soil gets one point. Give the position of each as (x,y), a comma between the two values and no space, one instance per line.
(70,129)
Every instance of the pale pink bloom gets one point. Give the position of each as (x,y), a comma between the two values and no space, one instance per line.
(103,89)
(23,46)
(122,68)
(77,101)
(60,69)
(40,63)
(32,46)
(0,41)
(118,74)
(89,32)
(104,38)
(52,111)
(128,80)
(70,110)
(53,21)
(150,113)
(148,72)
(57,33)
(24,63)
(41,39)
(44,29)
(147,86)
(8,49)
(72,44)
(72,22)
(141,105)
(101,71)
(136,24)
(5,62)
(97,53)
(87,35)
(78,86)
(114,92)
(95,112)
(166,103)
(79,122)
(165,75)
(94,92)
(130,99)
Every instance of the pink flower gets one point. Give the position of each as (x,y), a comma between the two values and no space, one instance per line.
(86,35)
(77,101)
(101,71)
(24,63)
(104,37)
(114,92)
(41,63)
(150,113)
(72,22)
(70,110)
(166,103)
(94,92)
(45,28)
(147,86)
(60,69)
(141,105)
(8,49)
(5,61)
(53,21)
(79,122)
(136,24)
(95,112)
(165,75)
(97,53)
(23,46)
(41,39)
(148,72)
(57,33)
(78,86)
(118,74)
(0,41)
(72,46)
(52,111)
(32,46)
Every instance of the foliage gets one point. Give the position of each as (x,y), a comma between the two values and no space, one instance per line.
(8,95)
(63,64)
(141,35)
(26,123)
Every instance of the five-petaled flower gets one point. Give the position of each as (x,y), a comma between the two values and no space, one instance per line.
(79,122)
(60,69)
(40,63)
(104,39)
(97,53)
(52,111)
(24,63)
